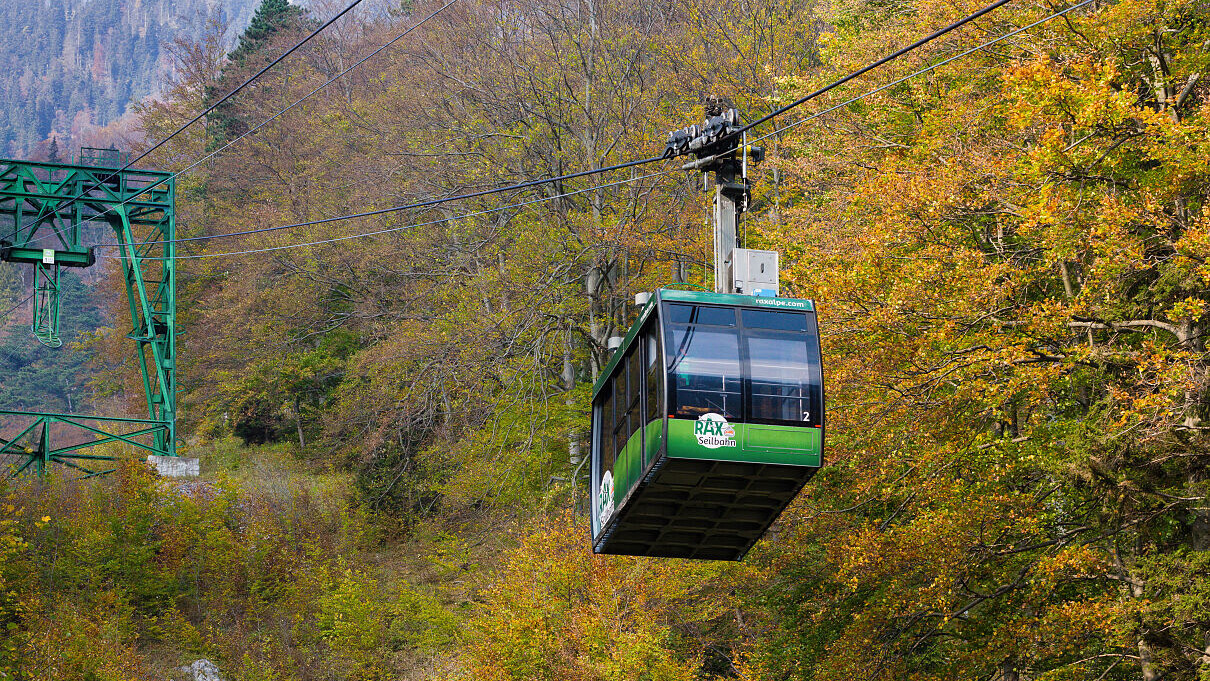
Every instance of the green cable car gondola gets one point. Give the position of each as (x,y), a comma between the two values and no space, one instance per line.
(706,422)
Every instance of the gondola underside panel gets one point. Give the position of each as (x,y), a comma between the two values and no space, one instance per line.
(702,508)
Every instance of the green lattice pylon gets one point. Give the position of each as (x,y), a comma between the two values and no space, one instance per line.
(45,325)
(43,207)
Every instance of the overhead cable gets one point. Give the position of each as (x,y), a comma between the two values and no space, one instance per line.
(420,204)
(388,230)
(215,105)
(6,313)
(245,84)
(873,65)
(813,116)
(531,183)
(279,114)
(307,96)
(923,71)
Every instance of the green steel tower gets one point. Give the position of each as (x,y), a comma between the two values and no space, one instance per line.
(43,207)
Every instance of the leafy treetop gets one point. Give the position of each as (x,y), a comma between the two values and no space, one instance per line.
(272,17)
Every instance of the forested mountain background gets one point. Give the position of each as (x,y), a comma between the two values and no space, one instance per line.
(1009,255)
(71,67)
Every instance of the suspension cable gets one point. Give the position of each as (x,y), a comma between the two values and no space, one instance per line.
(400,228)
(279,114)
(6,313)
(420,204)
(214,106)
(531,183)
(924,70)
(873,65)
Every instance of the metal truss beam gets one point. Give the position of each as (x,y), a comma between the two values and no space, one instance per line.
(43,207)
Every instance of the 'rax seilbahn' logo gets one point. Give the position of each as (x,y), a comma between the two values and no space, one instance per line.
(713,431)
(605,497)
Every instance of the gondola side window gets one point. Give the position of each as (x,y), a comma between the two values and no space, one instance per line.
(681,313)
(634,368)
(783,383)
(605,438)
(655,376)
(621,425)
(704,370)
(626,387)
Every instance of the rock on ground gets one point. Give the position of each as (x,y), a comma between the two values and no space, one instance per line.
(201,670)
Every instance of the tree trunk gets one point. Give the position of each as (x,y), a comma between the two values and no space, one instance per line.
(1136,589)
(1149,670)
(302,442)
(574,454)
(592,286)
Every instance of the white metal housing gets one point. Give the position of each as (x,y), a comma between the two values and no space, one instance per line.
(756,272)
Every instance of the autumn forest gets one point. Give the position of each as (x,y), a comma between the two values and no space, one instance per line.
(1010,255)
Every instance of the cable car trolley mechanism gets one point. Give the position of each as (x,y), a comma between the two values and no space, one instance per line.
(709,417)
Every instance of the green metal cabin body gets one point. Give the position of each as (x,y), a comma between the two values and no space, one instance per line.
(706,422)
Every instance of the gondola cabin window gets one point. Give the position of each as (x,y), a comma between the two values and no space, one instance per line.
(655,376)
(626,392)
(608,418)
(653,381)
(703,361)
(782,382)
